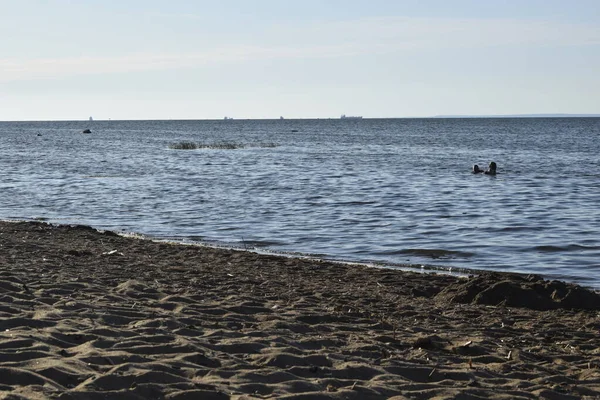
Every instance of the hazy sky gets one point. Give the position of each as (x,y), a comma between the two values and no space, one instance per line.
(196,59)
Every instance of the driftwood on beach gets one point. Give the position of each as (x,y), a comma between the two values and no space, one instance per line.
(87,314)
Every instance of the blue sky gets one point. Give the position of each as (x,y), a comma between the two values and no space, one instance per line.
(199,59)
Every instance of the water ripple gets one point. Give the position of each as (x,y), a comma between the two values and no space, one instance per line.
(388,191)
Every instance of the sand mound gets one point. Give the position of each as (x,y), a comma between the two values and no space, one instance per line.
(512,290)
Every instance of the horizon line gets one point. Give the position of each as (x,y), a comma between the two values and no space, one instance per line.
(441,116)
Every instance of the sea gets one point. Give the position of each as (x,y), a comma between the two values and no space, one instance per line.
(393,193)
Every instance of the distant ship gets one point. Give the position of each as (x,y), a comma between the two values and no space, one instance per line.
(281,117)
(228,118)
(344,116)
(91,119)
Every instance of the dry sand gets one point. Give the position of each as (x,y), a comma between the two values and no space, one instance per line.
(92,315)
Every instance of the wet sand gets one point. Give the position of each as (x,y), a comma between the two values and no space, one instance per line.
(93,315)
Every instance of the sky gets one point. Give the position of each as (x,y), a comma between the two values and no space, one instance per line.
(197,59)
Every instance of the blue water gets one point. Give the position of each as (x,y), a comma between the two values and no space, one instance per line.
(392,192)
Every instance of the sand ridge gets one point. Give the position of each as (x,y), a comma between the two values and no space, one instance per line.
(87,314)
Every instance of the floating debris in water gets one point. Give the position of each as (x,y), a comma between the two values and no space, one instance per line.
(217,146)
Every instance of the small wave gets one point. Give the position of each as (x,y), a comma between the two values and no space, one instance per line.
(356,203)
(570,247)
(260,243)
(517,228)
(103,176)
(436,253)
(243,243)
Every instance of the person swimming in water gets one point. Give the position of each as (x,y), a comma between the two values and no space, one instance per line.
(491,169)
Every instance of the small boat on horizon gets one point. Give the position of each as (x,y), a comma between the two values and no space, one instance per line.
(344,116)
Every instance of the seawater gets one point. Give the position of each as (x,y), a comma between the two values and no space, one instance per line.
(385,191)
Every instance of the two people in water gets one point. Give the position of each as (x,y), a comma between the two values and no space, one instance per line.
(490,171)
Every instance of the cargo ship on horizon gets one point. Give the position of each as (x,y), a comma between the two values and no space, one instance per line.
(344,116)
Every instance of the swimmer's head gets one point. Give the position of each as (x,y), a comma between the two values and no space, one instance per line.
(492,166)
(476,168)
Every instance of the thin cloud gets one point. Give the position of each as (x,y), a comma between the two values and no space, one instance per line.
(427,33)
(326,39)
(47,68)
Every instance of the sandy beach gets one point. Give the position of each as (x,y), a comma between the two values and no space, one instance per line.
(86,314)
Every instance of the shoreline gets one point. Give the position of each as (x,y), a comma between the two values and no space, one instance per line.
(87,313)
(420,267)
